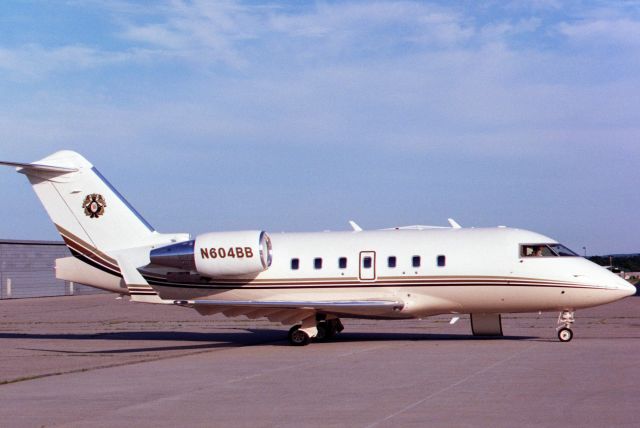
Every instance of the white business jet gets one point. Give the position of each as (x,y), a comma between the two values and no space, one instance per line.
(311,280)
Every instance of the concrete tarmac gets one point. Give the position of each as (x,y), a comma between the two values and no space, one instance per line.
(93,361)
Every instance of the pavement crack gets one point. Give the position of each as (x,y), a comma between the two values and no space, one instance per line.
(129,363)
(450,386)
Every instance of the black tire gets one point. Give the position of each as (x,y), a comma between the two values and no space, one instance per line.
(298,337)
(565,334)
(291,330)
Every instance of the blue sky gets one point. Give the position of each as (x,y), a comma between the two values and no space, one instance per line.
(292,116)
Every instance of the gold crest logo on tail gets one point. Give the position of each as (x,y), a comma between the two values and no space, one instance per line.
(94,205)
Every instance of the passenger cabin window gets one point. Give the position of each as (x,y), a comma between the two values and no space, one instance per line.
(366,262)
(295,264)
(391,261)
(317,263)
(546,250)
(442,261)
(415,261)
(342,262)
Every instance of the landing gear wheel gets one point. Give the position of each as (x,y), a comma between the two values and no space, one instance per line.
(298,337)
(565,334)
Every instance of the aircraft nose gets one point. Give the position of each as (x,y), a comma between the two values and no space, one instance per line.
(622,285)
(631,289)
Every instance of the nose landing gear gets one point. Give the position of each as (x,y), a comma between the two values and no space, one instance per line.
(565,320)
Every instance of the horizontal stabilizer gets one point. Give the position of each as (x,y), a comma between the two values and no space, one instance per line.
(27,167)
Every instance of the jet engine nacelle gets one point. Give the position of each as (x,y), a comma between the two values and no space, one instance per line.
(218,254)
(232,253)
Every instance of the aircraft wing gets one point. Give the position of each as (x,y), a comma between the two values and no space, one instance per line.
(287,311)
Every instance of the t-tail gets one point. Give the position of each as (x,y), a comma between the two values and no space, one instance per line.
(96,222)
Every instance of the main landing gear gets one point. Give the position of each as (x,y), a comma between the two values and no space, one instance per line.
(565,320)
(325,329)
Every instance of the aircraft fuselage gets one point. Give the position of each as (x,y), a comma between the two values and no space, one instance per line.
(432,271)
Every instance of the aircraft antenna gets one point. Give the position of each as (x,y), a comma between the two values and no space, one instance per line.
(454,224)
(355,226)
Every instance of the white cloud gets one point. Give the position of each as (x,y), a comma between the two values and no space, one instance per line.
(535,4)
(313,76)
(32,61)
(619,31)
(398,21)
(158,35)
(236,35)
(198,30)
(502,31)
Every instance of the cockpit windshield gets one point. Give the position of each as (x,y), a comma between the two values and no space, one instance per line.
(546,250)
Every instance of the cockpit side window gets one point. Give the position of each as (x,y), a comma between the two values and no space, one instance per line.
(545,250)
(562,251)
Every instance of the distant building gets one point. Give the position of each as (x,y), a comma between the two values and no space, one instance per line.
(27,270)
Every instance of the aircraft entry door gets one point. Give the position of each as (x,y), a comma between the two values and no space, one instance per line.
(367,265)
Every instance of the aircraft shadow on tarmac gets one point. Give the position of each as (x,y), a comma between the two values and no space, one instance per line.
(390,337)
(213,340)
(222,340)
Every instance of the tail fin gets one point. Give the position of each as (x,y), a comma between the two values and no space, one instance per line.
(84,207)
